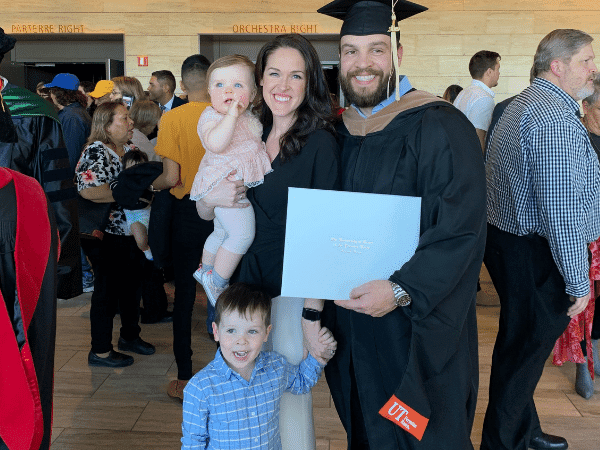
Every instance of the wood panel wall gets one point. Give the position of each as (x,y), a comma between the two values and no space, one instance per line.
(437,44)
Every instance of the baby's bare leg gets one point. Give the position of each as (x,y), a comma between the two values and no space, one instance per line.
(140,234)
(208,258)
(226,262)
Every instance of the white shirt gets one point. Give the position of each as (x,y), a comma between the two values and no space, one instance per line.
(477,103)
(169,105)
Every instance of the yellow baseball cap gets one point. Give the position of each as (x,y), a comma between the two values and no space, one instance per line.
(102,88)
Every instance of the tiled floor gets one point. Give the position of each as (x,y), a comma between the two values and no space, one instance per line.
(100,408)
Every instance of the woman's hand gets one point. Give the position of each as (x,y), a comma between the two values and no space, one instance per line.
(318,341)
(227,193)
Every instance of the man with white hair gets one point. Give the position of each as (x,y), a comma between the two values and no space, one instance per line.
(543,205)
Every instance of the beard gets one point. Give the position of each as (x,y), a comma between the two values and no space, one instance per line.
(587,90)
(584,92)
(360,97)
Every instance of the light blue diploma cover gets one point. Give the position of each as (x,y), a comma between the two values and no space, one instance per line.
(336,241)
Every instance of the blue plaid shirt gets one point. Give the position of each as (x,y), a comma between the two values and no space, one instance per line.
(221,410)
(543,177)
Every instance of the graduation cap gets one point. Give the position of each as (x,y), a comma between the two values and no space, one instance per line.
(7,42)
(365,17)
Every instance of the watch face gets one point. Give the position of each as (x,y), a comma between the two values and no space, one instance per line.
(404,300)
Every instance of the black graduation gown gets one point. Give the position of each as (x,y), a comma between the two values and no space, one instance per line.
(317,167)
(424,354)
(40,152)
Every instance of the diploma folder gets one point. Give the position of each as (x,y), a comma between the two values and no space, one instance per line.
(336,241)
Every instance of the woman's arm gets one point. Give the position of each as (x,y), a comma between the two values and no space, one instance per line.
(169,177)
(98,194)
(227,193)
(320,350)
(325,176)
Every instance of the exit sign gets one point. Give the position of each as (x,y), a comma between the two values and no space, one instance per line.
(142,61)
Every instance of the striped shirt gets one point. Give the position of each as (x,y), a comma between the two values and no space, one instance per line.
(221,410)
(543,177)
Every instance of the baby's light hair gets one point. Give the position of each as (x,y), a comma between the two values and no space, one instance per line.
(232,60)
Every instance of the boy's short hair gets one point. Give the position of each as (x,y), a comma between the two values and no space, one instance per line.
(134,156)
(245,299)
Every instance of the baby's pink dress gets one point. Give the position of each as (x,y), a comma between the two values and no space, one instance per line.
(246,153)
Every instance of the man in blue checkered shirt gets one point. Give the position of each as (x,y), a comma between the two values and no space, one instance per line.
(543,204)
(233,403)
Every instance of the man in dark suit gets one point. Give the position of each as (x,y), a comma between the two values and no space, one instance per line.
(162,88)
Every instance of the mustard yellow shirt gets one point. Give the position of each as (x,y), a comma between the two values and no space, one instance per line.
(178,140)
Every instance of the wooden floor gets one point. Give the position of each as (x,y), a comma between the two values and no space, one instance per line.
(101,408)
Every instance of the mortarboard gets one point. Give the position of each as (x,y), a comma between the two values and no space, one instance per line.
(7,42)
(364,17)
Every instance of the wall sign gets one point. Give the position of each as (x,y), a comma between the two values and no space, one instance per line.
(47,28)
(274,28)
(142,61)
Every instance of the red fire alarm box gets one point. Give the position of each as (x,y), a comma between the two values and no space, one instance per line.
(142,61)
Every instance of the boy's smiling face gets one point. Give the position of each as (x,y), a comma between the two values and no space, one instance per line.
(241,339)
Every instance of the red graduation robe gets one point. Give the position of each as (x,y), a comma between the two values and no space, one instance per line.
(27,315)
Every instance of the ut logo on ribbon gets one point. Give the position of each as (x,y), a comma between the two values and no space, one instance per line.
(405,417)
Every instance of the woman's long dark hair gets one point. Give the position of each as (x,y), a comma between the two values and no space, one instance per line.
(315,112)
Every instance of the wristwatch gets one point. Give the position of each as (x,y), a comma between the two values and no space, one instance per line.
(401,296)
(312,315)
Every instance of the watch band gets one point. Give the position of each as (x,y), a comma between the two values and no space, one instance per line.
(401,296)
(311,315)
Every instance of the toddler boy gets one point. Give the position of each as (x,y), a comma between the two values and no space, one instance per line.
(234,401)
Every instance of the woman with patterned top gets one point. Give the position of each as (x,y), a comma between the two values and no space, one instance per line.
(116,260)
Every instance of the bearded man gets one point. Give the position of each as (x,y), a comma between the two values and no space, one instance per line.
(405,374)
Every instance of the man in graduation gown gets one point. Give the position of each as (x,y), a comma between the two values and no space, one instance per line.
(405,374)
(29,247)
(40,152)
